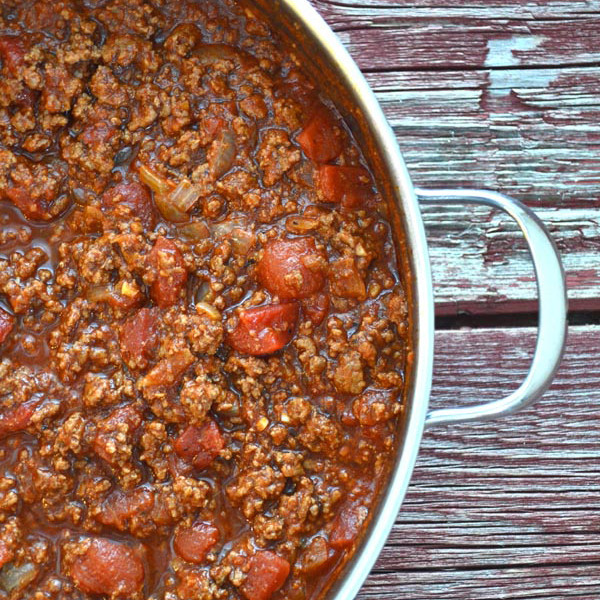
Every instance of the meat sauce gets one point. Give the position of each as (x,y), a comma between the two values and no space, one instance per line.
(202,326)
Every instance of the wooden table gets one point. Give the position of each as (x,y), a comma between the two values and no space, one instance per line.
(499,94)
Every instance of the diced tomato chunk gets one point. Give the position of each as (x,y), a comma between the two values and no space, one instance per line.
(322,138)
(292,268)
(168,370)
(121,507)
(267,574)
(178,466)
(124,294)
(171,274)
(134,196)
(13,53)
(17,418)
(264,329)
(109,568)
(7,322)
(199,446)
(138,336)
(316,307)
(349,186)
(347,526)
(195,542)
(32,208)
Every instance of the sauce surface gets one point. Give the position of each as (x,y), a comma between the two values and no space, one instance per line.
(202,326)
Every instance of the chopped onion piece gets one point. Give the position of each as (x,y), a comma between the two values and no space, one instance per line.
(154,181)
(129,290)
(209,54)
(168,210)
(300,225)
(225,227)
(124,295)
(205,293)
(195,231)
(209,310)
(222,153)
(100,293)
(184,196)
(13,578)
(238,231)
(262,424)
(242,240)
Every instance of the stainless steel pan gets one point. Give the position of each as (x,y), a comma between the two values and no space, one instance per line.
(323,54)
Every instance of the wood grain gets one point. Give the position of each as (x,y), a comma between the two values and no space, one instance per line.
(343,13)
(534,134)
(503,95)
(481,264)
(492,43)
(504,509)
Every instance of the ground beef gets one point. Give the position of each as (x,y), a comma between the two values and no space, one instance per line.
(202,326)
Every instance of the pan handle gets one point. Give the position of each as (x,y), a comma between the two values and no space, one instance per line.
(552,323)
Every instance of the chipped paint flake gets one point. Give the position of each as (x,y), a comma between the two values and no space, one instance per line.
(501,53)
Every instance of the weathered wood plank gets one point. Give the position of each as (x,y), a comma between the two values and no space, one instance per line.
(546,552)
(481,265)
(438,44)
(534,135)
(503,583)
(345,12)
(531,133)
(504,509)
